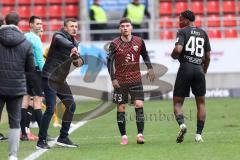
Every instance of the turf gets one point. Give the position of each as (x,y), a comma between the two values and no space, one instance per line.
(99,139)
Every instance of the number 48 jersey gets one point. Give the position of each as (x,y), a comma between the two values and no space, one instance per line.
(195,44)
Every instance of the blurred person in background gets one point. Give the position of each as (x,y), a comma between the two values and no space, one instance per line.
(16,58)
(136,12)
(99,18)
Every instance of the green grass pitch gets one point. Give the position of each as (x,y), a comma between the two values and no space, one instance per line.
(99,138)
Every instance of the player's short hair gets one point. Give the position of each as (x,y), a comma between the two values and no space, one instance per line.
(65,22)
(12,18)
(32,19)
(188,15)
(125,20)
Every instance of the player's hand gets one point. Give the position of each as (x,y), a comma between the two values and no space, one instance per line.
(151,75)
(74,53)
(115,83)
(77,62)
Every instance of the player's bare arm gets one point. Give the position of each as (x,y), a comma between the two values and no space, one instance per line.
(177,51)
(206,62)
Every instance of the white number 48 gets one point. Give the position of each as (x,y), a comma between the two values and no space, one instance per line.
(195,46)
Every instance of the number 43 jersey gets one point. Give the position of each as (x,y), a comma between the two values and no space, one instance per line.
(195,44)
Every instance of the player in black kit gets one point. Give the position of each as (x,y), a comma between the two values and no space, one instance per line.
(192,49)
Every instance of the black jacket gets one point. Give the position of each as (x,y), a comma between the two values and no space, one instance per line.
(16,58)
(58,62)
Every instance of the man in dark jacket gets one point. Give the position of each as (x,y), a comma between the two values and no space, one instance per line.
(16,58)
(62,53)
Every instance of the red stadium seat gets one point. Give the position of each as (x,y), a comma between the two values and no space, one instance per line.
(44,38)
(230,20)
(24,11)
(56,11)
(198,21)
(71,1)
(231,33)
(229,6)
(214,33)
(55,1)
(24,26)
(39,10)
(44,2)
(6,9)
(166,22)
(181,6)
(213,21)
(7,2)
(71,11)
(28,2)
(213,6)
(165,8)
(55,24)
(166,35)
(197,7)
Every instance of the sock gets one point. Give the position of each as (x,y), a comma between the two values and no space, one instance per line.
(139,120)
(121,122)
(180,119)
(23,120)
(38,116)
(200,125)
(30,116)
(14,136)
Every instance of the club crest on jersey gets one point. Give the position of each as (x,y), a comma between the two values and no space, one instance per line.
(135,48)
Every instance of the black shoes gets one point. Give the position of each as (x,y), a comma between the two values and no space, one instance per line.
(181,133)
(2,138)
(42,144)
(66,142)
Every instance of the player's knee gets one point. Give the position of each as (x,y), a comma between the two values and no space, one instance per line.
(138,104)
(121,108)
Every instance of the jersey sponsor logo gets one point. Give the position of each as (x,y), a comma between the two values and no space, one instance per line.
(135,48)
(193,59)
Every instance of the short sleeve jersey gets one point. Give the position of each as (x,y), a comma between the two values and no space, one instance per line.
(195,44)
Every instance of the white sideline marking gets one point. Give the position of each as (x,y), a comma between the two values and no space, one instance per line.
(39,152)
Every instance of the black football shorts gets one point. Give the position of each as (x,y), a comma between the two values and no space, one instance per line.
(120,95)
(190,76)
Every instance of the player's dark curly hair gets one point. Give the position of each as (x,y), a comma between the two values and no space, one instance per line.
(188,15)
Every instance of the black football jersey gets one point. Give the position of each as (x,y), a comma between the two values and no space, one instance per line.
(195,44)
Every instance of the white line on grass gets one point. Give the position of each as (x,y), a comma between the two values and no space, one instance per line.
(39,152)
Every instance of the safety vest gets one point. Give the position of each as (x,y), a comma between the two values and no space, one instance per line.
(99,14)
(135,13)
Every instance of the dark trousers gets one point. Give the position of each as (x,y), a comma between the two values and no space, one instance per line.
(63,92)
(13,104)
